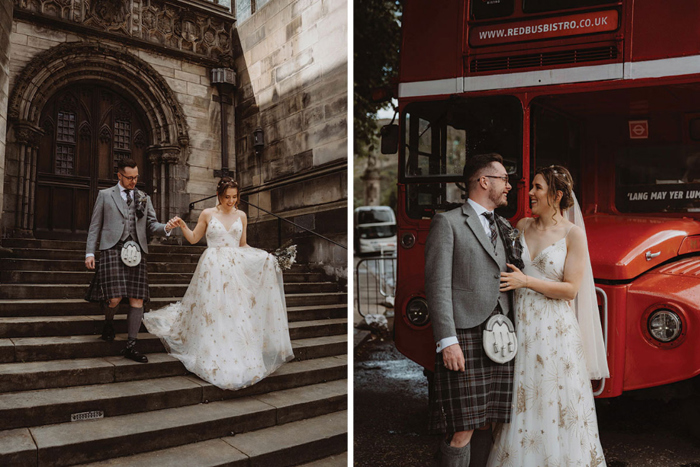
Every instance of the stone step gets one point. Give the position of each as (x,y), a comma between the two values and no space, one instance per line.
(339,460)
(28,376)
(40,253)
(317,347)
(318,328)
(59,291)
(279,446)
(51,265)
(33,349)
(44,326)
(110,437)
(49,406)
(24,243)
(70,277)
(74,306)
(84,276)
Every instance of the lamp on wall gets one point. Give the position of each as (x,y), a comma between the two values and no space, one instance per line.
(225,81)
(258,139)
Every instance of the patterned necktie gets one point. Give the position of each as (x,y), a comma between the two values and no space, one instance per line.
(492,225)
(128,197)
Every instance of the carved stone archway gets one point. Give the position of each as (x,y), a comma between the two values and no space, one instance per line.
(136,80)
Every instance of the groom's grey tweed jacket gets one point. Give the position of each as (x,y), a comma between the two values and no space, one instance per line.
(462,272)
(109,219)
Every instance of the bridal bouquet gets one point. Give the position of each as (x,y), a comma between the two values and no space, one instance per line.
(285,256)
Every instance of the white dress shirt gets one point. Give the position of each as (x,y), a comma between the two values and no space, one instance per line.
(448,341)
(122,191)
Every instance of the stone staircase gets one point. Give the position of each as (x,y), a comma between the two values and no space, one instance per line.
(53,366)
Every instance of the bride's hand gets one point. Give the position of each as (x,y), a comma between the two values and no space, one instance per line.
(513,280)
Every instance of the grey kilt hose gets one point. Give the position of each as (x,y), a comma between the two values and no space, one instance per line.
(480,395)
(115,279)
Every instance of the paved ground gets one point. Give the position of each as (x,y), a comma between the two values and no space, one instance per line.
(391,409)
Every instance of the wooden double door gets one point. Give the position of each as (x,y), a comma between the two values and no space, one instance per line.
(87,129)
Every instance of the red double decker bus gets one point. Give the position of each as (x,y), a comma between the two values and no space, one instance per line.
(609,89)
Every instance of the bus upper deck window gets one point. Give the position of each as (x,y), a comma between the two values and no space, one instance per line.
(492,9)
(539,6)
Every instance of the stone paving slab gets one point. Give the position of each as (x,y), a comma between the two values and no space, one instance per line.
(42,375)
(27,376)
(293,374)
(307,401)
(316,347)
(48,406)
(66,347)
(70,443)
(7,351)
(295,442)
(213,453)
(17,448)
(339,460)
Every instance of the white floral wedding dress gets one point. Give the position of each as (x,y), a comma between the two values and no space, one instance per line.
(553,419)
(230,328)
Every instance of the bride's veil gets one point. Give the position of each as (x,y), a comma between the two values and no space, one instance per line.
(586,307)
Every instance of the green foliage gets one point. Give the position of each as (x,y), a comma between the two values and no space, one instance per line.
(377,38)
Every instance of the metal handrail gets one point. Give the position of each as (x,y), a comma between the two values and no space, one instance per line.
(275,215)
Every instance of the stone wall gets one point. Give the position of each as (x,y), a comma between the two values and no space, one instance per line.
(5,30)
(190,83)
(291,59)
(291,64)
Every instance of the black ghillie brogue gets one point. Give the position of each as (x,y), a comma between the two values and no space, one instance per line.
(131,353)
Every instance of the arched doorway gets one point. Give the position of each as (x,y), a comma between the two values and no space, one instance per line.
(58,158)
(87,129)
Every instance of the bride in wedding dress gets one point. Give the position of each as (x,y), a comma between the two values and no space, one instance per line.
(230,328)
(560,344)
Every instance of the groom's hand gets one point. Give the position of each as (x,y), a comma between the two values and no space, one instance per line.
(173,223)
(453,358)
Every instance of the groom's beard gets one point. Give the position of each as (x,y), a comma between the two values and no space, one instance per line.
(497,197)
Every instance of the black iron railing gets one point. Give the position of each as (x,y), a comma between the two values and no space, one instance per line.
(279,219)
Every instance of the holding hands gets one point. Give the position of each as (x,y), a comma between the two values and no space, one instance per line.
(174,223)
(513,280)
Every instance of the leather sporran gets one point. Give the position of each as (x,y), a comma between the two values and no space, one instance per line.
(500,341)
(131,254)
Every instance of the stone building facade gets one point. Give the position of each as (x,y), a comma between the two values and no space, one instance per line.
(90,82)
(292,68)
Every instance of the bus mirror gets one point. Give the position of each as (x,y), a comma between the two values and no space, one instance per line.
(390,139)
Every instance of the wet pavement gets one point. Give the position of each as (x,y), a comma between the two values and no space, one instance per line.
(391,396)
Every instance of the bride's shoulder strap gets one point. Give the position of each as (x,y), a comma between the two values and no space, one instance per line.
(571,227)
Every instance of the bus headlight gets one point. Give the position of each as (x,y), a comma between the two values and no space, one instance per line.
(664,325)
(417,312)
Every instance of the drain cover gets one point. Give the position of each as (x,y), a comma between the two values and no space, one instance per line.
(93,415)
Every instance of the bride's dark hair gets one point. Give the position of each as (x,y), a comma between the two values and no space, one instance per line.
(558,178)
(224,184)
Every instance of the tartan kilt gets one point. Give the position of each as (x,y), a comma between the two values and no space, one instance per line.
(482,394)
(115,279)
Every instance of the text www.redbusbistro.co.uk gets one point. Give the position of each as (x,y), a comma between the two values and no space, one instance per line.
(544,28)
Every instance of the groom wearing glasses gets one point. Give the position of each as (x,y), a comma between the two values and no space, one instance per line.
(465,253)
(121,219)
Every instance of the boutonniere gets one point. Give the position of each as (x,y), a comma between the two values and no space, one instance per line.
(511,240)
(141,201)
(514,235)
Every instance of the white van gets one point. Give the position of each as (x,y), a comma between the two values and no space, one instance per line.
(375,229)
